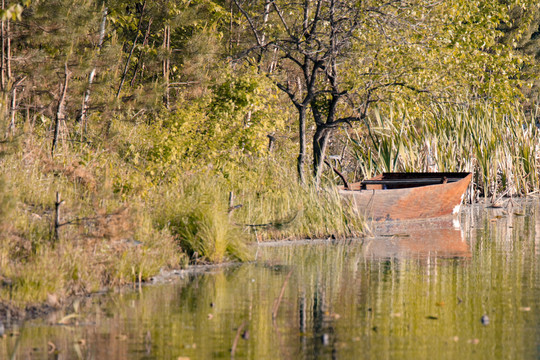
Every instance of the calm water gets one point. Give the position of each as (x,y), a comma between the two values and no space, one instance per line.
(441,292)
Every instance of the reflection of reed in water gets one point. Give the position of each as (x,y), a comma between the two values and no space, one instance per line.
(537,232)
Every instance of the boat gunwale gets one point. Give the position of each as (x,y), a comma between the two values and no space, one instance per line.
(456,177)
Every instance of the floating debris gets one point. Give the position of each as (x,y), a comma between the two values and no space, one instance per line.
(66,320)
(485,320)
(51,347)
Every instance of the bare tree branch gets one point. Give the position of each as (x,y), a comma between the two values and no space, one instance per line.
(251,24)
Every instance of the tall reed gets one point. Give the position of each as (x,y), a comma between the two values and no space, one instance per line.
(502,150)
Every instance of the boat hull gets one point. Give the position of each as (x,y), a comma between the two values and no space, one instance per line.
(422,202)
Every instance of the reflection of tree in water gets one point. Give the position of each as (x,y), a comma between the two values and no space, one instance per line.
(318,337)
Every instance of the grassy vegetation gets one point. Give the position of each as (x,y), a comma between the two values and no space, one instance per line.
(121,221)
(103,241)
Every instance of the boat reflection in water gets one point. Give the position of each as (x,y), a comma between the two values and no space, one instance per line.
(418,239)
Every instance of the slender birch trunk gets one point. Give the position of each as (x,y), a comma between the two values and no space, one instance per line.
(60,112)
(86,99)
(167,63)
(3,61)
(8,50)
(302,143)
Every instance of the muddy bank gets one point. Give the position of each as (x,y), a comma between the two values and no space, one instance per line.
(11,315)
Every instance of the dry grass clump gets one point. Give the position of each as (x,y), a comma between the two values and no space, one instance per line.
(196,213)
(73,171)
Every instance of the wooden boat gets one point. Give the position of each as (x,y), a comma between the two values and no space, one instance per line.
(406,196)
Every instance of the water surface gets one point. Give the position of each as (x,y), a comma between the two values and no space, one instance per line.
(446,291)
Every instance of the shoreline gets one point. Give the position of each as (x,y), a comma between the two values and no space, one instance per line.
(11,316)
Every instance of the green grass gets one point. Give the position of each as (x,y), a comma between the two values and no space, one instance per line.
(195,212)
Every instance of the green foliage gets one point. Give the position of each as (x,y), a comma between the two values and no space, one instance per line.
(454,52)
(14,11)
(242,112)
(231,123)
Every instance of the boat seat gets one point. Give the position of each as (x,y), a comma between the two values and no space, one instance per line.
(381,184)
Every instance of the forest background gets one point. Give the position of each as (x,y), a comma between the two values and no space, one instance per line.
(143,135)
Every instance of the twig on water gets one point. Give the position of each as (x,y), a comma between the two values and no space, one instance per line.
(235,342)
(272,225)
(278,300)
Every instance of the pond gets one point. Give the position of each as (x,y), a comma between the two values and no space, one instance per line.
(467,289)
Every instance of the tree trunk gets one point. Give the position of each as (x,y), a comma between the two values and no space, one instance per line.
(8,52)
(230,45)
(86,99)
(263,36)
(140,62)
(3,60)
(124,74)
(320,142)
(13,106)
(11,127)
(302,141)
(57,204)
(166,63)
(60,112)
